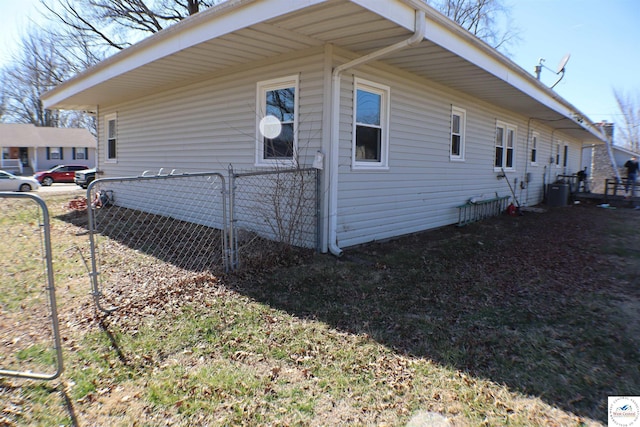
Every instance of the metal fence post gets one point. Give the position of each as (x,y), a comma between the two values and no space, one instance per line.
(233,240)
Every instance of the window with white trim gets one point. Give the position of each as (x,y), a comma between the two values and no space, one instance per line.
(558,154)
(111,137)
(505,146)
(565,161)
(534,148)
(370,145)
(54,153)
(277,127)
(458,124)
(79,153)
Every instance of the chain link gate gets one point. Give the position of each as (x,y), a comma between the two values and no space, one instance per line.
(27,292)
(147,228)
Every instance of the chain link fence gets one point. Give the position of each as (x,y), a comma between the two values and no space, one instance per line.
(272,207)
(30,344)
(148,228)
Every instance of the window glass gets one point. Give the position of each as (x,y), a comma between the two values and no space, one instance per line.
(368,108)
(368,144)
(499,146)
(281,104)
(510,138)
(280,147)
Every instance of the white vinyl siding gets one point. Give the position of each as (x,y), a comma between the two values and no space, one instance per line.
(422,186)
(208,125)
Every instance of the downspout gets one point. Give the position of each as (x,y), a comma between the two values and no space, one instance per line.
(417,37)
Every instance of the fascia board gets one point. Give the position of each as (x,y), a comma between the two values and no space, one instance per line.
(228,17)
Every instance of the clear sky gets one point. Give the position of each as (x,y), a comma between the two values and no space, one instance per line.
(603,38)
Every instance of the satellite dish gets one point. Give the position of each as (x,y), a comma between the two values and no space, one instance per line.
(563,63)
(560,70)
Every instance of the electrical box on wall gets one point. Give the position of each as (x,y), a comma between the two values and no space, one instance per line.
(527,177)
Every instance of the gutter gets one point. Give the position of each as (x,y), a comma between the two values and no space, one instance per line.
(417,37)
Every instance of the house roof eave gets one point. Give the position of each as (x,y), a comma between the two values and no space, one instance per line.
(222,30)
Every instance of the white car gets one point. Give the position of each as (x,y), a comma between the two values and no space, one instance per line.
(10,182)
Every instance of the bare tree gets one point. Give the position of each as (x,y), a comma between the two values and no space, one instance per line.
(109,25)
(489,20)
(628,127)
(37,69)
(40,66)
(3,98)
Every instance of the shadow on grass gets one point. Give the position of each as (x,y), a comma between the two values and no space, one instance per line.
(184,244)
(530,302)
(37,388)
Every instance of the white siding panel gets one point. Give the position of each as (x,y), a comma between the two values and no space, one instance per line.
(206,126)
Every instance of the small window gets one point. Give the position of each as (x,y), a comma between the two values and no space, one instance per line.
(458,119)
(370,133)
(565,160)
(276,132)
(534,149)
(79,153)
(5,153)
(558,154)
(505,146)
(53,153)
(111,137)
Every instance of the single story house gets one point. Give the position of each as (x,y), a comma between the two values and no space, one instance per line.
(27,149)
(412,114)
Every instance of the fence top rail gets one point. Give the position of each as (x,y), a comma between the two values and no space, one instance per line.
(155,177)
(34,197)
(272,172)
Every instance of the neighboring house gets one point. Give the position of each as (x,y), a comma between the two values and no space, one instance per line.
(607,162)
(413,114)
(605,168)
(27,148)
